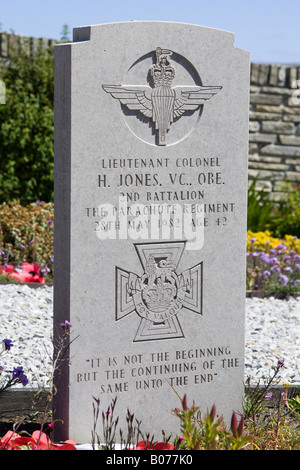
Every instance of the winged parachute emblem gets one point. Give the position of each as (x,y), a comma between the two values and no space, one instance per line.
(162,103)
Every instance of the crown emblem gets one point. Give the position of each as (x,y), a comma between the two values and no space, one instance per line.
(162,72)
(159,285)
(162,103)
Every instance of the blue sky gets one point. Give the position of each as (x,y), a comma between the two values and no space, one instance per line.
(269,29)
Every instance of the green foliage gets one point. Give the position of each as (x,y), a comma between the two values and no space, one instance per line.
(287,217)
(209,433)
(281,218)
(260,208)
(27,128)
(294,404)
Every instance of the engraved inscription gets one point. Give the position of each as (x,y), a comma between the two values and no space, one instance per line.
(154,370)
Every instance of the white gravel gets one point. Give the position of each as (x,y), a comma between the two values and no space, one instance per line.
(272,332)
(26,316)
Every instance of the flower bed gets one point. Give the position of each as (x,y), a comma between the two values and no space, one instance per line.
(26,242)
(273,264)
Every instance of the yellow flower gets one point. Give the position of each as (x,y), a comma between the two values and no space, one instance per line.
(264,240)
(286,384)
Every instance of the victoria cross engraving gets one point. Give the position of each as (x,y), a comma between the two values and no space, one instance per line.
(160,293)
(162,103)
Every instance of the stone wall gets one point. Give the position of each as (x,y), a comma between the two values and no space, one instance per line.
(274,126)
(11,43)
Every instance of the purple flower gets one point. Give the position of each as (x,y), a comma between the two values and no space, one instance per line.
(269,395)
(66,325)
(266,258)
(283,396)
(288,269)
(7,344)
(266,273)
(252,240)
(281,246)
(275,269)
(18,373)
(280,363)
(283,279)
(45,271)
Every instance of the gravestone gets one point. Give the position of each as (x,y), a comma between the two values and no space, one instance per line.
(151,136)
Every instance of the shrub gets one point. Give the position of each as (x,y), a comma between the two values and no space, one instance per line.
(260,208)
(287,215)
(26,235)
(27,128)
(280,218)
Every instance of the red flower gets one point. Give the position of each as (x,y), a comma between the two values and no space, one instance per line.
(38,441)
(163,446)
(31,273)
(147,445)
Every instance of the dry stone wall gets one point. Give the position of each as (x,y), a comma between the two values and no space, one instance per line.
(274,124)
(12,43)
(274,127)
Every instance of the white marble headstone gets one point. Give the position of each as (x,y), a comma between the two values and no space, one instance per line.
(151,144)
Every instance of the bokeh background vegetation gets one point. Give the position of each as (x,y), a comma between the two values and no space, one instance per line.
(27,128)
